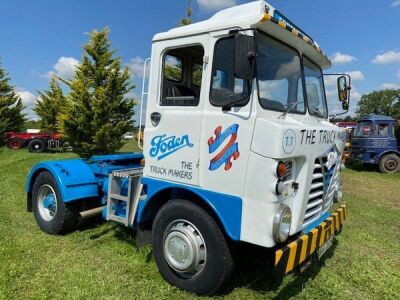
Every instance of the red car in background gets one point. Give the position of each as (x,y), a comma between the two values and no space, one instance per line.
(36,142)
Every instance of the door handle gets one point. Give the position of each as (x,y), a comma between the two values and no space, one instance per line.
(155,118)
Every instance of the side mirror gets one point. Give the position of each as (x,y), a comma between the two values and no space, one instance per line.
(245,53)
(343,88)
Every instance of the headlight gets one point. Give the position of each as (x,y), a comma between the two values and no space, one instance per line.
(282,222)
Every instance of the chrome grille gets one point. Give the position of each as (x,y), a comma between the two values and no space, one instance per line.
(316,196)
(332,183)
(322,191)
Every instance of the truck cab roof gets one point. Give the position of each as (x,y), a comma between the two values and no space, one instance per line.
(374,117)
(258,15)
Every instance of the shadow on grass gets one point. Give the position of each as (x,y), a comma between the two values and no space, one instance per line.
(360,167)
(255,271)
(254,266)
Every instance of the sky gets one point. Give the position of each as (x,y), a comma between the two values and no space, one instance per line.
(39,38)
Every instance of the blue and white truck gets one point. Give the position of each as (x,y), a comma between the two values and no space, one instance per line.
(237,149)
(376,141)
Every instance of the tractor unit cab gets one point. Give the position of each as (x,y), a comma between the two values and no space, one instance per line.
(376,141)
(237,147)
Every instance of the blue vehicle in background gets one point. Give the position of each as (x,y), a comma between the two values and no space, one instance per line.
(376,141)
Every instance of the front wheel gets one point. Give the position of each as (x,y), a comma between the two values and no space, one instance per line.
(52,215)
(389,163)
(189,248)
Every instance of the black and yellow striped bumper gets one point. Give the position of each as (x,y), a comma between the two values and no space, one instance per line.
(296,252)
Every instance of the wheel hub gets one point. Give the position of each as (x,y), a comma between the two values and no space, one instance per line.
(47,202)
(184,248)
(391,165)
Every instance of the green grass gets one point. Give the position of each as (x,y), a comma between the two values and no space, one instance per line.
(101,260)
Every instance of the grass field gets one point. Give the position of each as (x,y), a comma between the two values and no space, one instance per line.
(101,260)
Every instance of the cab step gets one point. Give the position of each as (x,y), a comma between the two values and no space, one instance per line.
(124,190)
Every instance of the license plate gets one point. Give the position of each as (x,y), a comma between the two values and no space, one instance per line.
(325,247)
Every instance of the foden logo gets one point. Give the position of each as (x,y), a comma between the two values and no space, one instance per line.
(162,146)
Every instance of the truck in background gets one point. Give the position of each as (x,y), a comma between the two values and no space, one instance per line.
(349,127)
(35,141)
(237,146)
(376,141)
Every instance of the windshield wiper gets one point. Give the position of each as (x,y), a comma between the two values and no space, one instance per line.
(289,109)
(317,112)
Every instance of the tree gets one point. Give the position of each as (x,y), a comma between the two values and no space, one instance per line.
(98,111)
(11,116)
(189,12)
(49,106)
(384,102)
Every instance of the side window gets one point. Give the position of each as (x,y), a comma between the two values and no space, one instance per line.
(197,73)
(173,68)
(181,76)
(227,89)
(383,129)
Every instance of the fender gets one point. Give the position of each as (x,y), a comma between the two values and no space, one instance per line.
(74,177)
(387,152)
(227,208)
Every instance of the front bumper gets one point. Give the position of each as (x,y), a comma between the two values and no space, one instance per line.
(297,252)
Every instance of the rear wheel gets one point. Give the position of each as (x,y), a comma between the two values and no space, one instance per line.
(37,146)
(15,143)
(51,213)
(389,163)
(189,248)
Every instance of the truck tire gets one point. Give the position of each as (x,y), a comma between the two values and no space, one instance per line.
(389,163)
(189,248)
(15,143)
(37,146)
(52,215)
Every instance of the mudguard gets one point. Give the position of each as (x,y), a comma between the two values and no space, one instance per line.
(228,208)
(75,179)
(378,158)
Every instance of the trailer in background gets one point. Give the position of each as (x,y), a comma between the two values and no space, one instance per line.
(35,141)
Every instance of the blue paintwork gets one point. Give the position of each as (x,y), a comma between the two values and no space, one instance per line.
(116,157)
(85,179)
(376,118)
(228,208)
(49,201)
(74,178)
(82,179)
(371,148)
(314,224)
(120,209)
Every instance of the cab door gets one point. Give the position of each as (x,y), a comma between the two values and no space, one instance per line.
(174,110)
(228,122)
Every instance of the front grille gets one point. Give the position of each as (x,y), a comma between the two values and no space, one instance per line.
(332,180)
(322,190)
(316,196)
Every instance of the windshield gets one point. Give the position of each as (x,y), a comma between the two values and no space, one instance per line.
(315,89)
(364,129)
(279,79)
(279,76)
